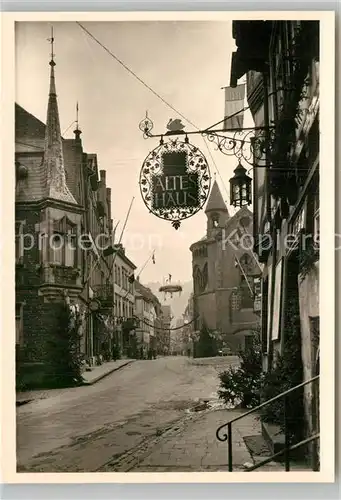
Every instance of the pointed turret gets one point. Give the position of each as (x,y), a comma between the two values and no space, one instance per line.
(215,201)
(216,211)
(53,153)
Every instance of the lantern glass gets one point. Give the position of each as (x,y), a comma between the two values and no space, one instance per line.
(236,191)
(240,187)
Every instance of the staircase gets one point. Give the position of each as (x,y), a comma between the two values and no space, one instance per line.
(286,454)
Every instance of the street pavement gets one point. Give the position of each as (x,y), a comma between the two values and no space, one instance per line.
(158,415)
(83,428)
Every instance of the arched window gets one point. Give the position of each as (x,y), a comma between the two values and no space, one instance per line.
(205,277)
(246,295)
(197,279)
(246,263)
(215,220)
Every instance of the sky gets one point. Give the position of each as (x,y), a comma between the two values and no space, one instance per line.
(186,62)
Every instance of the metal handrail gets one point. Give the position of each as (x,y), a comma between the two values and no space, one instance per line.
(279,453)
(228,437)
(279,396)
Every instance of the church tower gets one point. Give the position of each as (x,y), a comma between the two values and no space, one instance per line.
(216,211)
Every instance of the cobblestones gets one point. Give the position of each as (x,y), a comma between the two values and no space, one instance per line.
(139,418)
(86,427)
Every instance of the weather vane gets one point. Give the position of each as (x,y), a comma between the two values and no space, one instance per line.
(51,40)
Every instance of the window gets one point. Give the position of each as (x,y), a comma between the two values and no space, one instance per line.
(246,296)
(235,301)
(70,250)
(44,241)
(57,243)
(118,276)
(246,262)
(316,215)
(63,243)
(264,315)
(313,211)
(215,220)
(19,241)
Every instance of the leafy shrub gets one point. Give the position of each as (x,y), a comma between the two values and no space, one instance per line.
(206,346)
(64,360)
(286,373)
(242,385)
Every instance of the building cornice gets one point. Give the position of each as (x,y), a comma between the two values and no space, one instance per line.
(50,203)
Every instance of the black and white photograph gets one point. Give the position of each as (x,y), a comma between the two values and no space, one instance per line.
(169,292)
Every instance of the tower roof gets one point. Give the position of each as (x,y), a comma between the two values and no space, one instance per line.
(215,202)
(53,150)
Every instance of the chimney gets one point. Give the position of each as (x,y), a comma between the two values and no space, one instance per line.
(102,174)
(109,202)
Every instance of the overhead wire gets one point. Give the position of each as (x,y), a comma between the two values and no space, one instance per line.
(153,92)
(168,329)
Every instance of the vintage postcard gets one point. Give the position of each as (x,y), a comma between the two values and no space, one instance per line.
(168,312)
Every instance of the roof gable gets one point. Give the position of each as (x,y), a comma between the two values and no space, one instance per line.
(215,201)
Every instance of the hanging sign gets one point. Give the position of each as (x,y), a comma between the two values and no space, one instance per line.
(175,181)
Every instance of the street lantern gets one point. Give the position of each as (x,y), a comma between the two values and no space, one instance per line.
(240,187)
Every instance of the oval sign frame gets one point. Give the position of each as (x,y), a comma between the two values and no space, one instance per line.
(195,168)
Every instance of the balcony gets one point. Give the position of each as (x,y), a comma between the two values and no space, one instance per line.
(105,295)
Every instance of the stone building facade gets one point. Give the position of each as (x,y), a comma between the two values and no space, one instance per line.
(62,223)
(146,307)
(165,341)
(48,220)
(124,301)
(223,268)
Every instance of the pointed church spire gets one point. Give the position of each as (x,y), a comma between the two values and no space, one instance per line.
(215,201)
(53,153)
(77,131)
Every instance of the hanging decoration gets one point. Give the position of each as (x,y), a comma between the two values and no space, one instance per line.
(169,288)
(175,180)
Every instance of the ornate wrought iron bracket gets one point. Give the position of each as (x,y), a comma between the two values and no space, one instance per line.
(249,144)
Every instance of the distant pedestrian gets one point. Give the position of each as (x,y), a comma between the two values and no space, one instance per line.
(115,352)
(188,352)
(141,353)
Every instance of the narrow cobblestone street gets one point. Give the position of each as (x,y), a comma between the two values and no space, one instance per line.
(113,424)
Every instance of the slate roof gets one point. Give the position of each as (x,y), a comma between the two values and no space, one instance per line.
(46,173)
